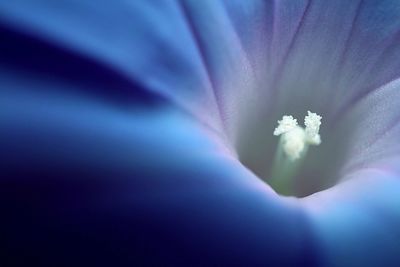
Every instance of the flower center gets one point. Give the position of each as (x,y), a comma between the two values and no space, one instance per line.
(292,149)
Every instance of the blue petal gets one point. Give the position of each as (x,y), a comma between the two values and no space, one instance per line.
(373,125)
(339,51)
(87,181)
(357,221)
(136,39)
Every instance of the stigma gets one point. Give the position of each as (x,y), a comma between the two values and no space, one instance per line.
(296,139)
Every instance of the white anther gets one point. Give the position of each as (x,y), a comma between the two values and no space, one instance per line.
(312,122)
(285,125)
(296,139)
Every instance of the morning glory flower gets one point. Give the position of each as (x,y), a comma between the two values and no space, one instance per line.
(200,133)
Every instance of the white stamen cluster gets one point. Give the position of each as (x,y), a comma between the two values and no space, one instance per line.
(285,125)
(295,139)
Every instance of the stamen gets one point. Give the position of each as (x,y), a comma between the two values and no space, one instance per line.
(285,125)
(293,146)
(312,122)
(294,138)
(293,143)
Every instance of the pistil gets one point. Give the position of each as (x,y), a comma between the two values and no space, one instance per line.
(292,149)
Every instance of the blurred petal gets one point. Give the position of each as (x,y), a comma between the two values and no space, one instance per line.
(89,182)
(137,39)
(357,221)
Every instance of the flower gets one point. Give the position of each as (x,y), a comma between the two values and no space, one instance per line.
(140,131)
